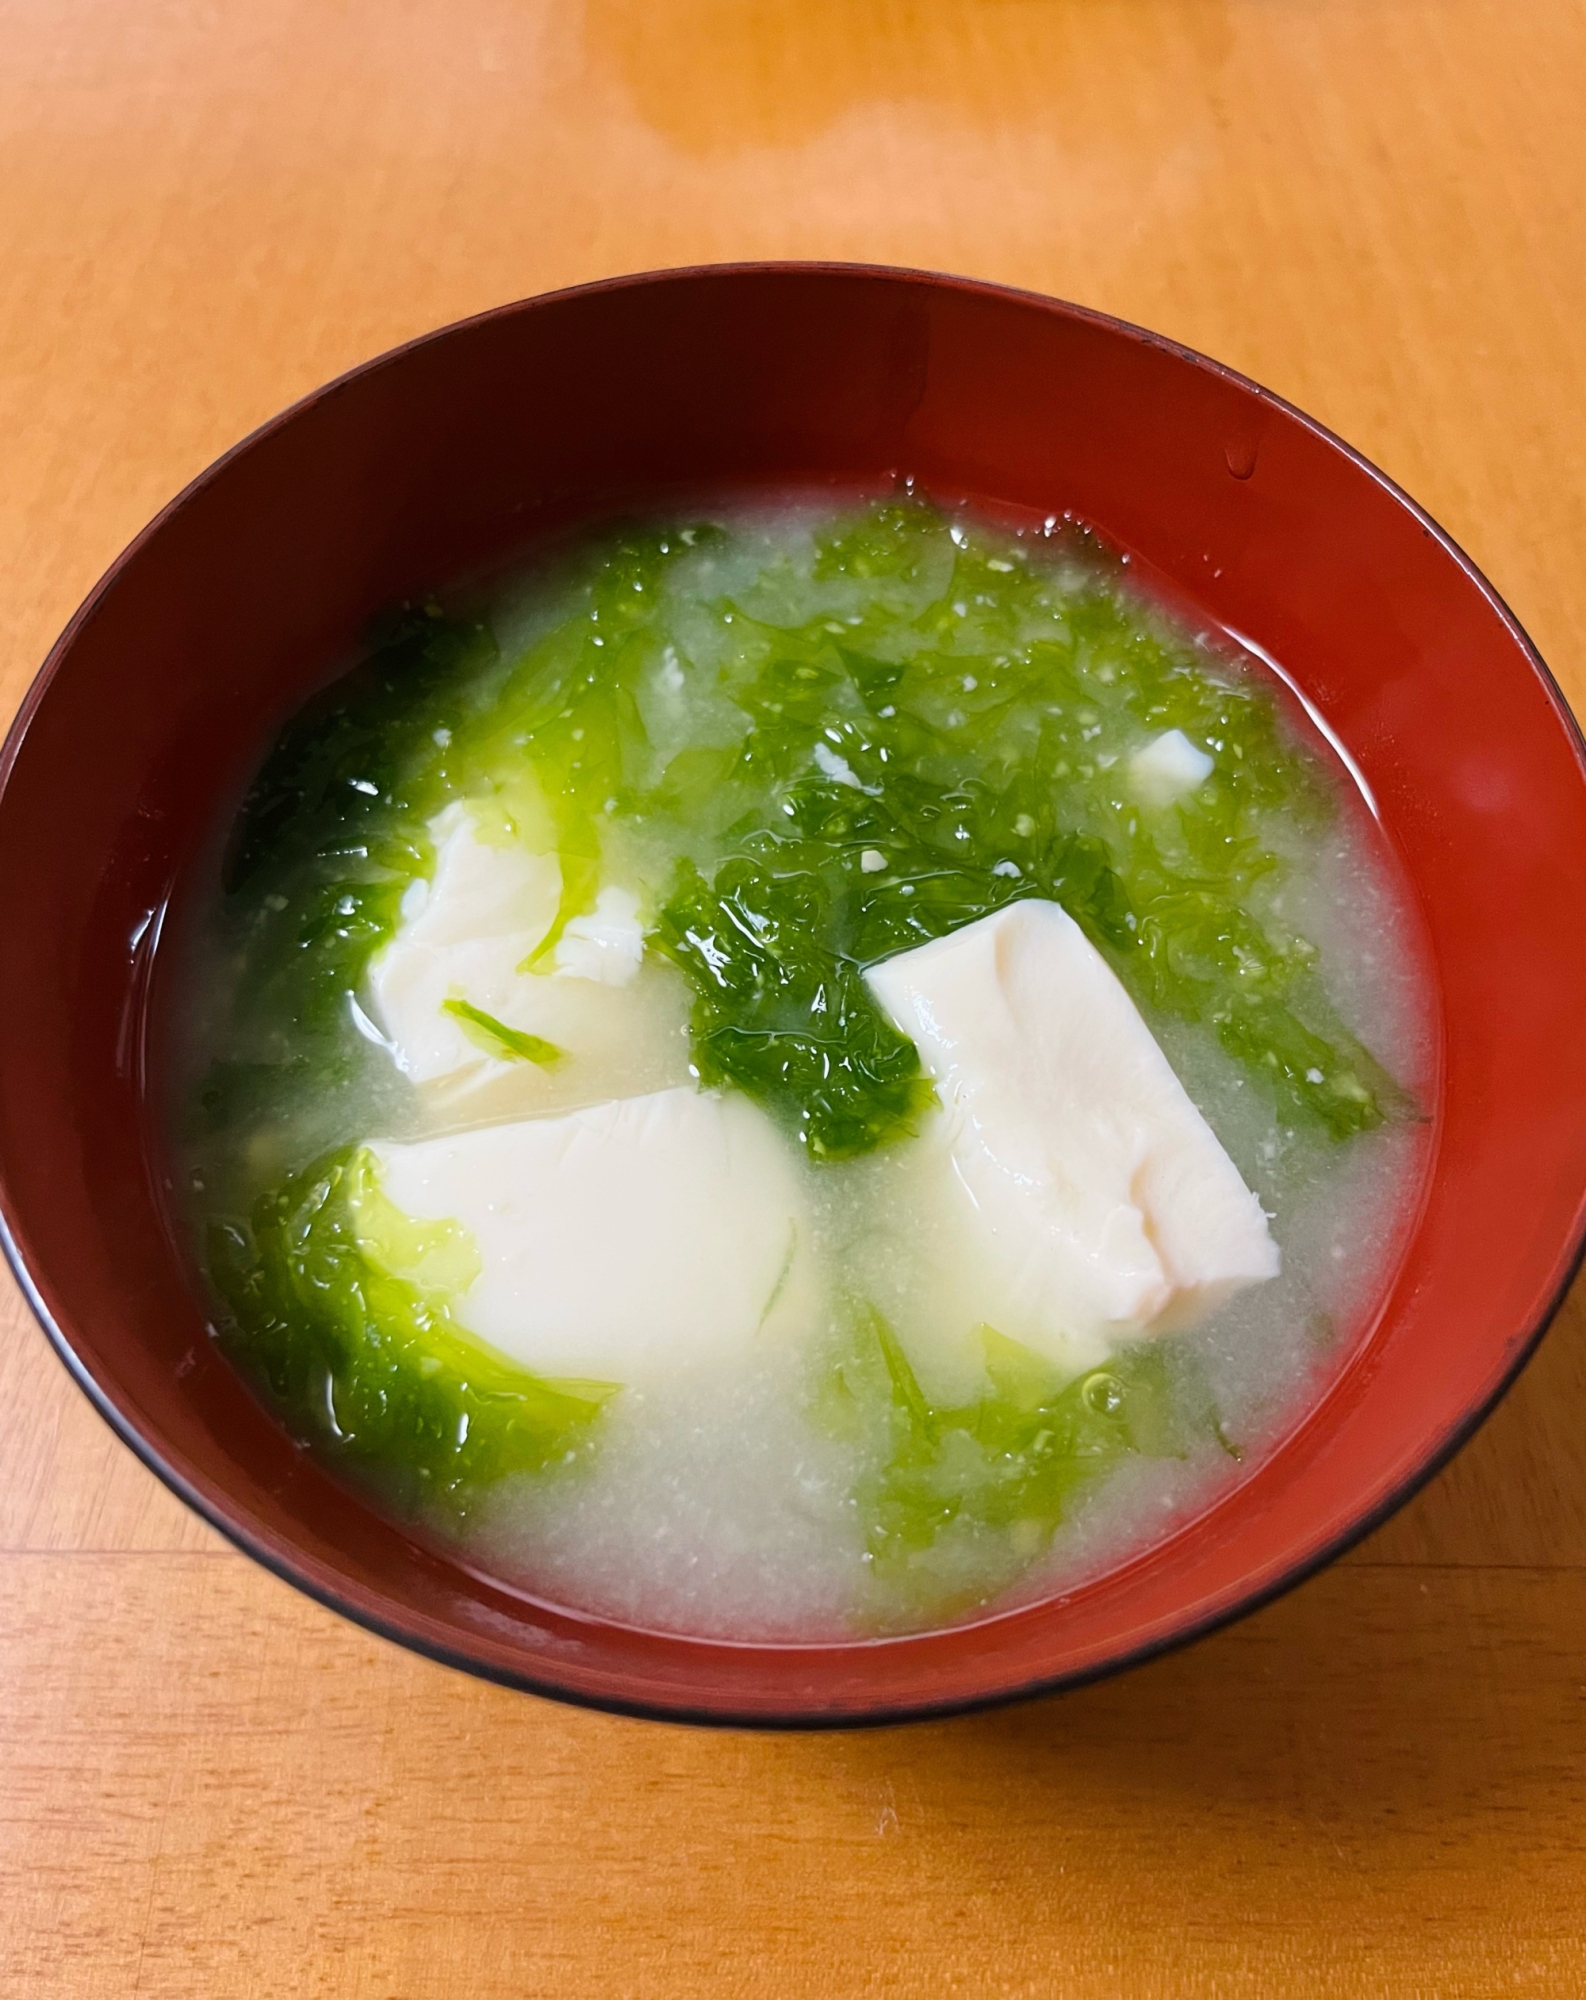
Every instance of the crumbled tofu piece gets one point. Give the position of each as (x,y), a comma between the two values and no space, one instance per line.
(837,768)
(1168,769)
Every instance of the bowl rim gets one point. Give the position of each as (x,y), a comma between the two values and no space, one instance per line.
(1443,1449)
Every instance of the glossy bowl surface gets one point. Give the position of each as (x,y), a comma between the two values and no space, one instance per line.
(446,456)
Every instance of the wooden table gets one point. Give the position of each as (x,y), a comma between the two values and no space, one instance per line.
(211,1787)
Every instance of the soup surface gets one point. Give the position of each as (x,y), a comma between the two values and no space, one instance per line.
(809,1070)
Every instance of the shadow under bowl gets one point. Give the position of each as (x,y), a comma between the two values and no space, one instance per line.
(449,455)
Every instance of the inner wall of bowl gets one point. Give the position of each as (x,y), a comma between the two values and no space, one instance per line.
(443,459)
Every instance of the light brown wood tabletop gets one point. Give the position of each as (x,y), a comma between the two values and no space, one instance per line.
(211,1788)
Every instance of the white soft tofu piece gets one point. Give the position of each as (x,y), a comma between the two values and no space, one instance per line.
(466,934)
(1074,1193)
(463,934)
(606,944)
(623,1241)
(1168,769)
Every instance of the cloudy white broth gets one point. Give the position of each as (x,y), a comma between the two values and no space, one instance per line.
(800,1071)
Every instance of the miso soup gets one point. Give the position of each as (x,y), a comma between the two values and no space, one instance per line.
(801,1070)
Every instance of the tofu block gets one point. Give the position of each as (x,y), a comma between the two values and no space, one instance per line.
(466,934)
(624,1241)
(1074,1193)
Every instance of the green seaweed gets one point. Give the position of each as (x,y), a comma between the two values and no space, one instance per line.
(955,1500)
(784,1016)
(340,1305)
(496,1039)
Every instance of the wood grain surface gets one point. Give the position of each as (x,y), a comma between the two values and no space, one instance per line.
(210,1787)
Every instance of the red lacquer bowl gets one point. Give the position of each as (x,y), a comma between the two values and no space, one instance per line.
(446,456)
